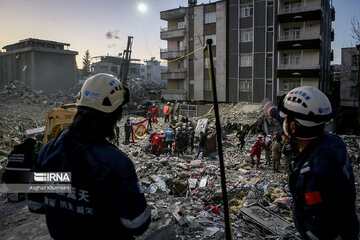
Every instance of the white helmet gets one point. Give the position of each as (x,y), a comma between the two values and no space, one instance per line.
(308,105)
(102,92)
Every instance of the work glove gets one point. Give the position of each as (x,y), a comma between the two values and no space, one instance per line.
(267,106)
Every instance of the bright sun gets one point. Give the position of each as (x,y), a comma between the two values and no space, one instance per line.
(142,7)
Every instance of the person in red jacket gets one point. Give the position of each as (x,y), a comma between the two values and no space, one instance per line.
(155,144)
(256,150)
(154,112)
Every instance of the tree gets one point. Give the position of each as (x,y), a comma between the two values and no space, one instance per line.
(86,64)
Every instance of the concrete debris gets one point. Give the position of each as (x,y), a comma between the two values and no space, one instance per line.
(184,192)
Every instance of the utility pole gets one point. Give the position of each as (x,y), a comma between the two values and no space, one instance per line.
(358,83)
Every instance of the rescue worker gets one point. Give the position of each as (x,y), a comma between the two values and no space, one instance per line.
(241,136)
(286,150)
(192,138)
(169,136)
(202,144)
(256,151)
(162,144)
(155,144)
(177,110)
(20,163)
(322,181)
(167,112)
(148,116)
(105,201)
(127,126)
(267,148)
(185,134)
(275,153)
(179,141)
(154,112)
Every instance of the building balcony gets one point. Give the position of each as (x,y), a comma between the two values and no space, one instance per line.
(171,53)
(300,14)
(300,70)
(169,33)
(173,14)
(173,74)
(303,41)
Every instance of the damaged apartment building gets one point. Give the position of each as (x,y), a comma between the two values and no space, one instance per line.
(261,48)
(40,64)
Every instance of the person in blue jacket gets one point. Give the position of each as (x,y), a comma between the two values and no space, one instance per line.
(322,181)
(105,201)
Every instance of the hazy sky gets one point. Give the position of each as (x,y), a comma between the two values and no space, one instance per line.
(84,24)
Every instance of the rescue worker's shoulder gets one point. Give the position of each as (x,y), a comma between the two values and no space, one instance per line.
(114,159)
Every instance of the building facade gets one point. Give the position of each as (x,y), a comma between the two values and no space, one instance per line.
(187,30)
(349,78)
(151,72)
(40,64)
(272,46)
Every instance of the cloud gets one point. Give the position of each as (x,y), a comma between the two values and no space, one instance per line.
(113,34)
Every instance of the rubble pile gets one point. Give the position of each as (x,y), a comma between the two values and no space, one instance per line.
(183,191)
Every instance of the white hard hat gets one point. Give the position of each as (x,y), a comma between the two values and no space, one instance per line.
(102,92)
(308,105)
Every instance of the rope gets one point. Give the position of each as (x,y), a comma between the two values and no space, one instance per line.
(176,59)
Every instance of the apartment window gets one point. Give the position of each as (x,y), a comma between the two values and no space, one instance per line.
(213,37)
(270,2)
(191,39)
(207,85)
(245,85)
(181,25)
(206,63)
(354,76)
(291,59)
(293,6)
(191,82)
(292,33)
(246,11)
(210,17)
(353,91)
(269,55)
(246,60)
(270,29)
(291,84)
(269,81)
(246,35)
(354,60)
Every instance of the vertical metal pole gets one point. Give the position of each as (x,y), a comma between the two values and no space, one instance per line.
(219,141)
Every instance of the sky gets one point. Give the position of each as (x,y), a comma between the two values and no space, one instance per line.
(102,27)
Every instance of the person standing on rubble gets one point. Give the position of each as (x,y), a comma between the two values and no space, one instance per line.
(286,150)
(276,152)
(154,112)
(192,138)
(169,137)
(322,181)
(177,110)
(127,126)
(179,142)
(241,136)
(105,201)
(167,112)
(256,151)
(268,150)
(202,144)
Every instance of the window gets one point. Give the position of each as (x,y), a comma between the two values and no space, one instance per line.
(246,60)
(191,39)
(269,81)
(246,35)
(207,85)
(291,59)
(245,85)
(293,6)
(354,60)
(291,84)
(213,37)
(191,82)
(292,33)
(269,55)
(353,91)
(181,25)
(270,2)
(270,29)
(354,76)
(246,11)
(206,63)
(210,17)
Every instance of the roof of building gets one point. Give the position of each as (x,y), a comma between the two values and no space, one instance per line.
(34,42)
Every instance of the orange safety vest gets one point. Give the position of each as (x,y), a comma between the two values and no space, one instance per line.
(166,110)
